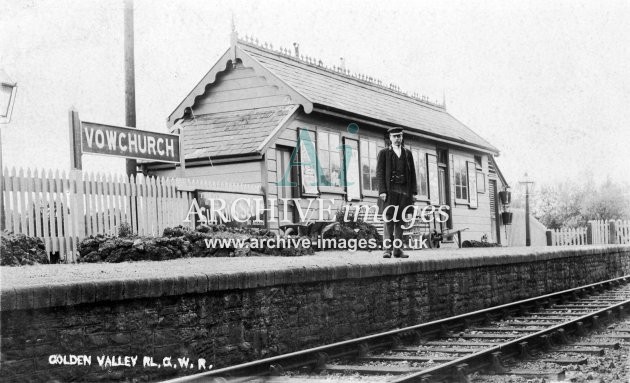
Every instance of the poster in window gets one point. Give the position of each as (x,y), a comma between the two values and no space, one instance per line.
(308,170)
(351,169)
(481,182)
(472,184)
(434,189)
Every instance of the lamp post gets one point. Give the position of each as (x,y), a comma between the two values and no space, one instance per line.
(527,181)
(8,90)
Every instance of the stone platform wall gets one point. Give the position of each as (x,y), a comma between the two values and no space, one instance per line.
(227,319)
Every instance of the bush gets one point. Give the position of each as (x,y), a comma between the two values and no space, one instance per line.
(20,250)
(180,242)
(356,230)
(473,243)
(125,230)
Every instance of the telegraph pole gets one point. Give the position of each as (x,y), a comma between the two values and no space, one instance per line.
(527,181)
(130,80)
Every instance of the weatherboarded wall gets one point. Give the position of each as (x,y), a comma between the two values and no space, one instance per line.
(230,318)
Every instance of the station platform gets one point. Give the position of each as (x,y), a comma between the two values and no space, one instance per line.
(231,310)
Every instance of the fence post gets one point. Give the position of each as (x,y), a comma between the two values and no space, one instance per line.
(549,238)
(589,232)
(612,232)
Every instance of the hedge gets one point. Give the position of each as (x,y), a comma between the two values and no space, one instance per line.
(20,250)
(180,242)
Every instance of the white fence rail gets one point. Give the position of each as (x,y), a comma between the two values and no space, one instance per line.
(574,236)
(62,209)
(596,232)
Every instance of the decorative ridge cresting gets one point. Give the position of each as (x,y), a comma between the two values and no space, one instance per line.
(339,70)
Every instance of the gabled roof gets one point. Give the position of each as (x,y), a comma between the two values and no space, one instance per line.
(241,132)
(311,84)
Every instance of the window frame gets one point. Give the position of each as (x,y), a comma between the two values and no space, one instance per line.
(419,153)
(366,140)
(337,189)
(460,161)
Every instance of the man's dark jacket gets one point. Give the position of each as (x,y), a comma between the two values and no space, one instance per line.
(384,168)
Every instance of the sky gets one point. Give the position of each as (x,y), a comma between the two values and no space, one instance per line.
(547,82)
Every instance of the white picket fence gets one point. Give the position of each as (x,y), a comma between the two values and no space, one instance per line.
(64,208)
(622,230)
(569,236)
(596,232)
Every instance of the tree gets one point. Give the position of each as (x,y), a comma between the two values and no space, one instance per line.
(570,204)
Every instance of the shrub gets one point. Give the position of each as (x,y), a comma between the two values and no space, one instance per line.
(19,250)
(125,230)
(353,229)
(179,242)
(473,243)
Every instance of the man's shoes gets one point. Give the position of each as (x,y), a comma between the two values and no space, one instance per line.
(401,255)
(387,254)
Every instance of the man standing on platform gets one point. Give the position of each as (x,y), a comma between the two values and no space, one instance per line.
(397,186)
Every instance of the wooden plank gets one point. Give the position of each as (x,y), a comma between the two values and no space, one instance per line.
(613,345)
(101,206)
(37,186)
(456,343)
(436,349)
(52,209)
(90,199)
(490,336)
(46,198)
(108,194)
(370,369)
(556,375)
(155,208)
(67,221)
(126,195)
(614,336)
(161,206)
(566,361)
(503,329)
(58,205)
(245,103)
(6,197)
(115,205)
(23,204)
(15,208)
(76,209)
(245,93)
(169,205)
(140,201)
(402,358)
(30,203)
(133,207)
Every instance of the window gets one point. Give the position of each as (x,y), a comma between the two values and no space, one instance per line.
(420,163)
(478,164)
(461,179)
(369,152)
(329,156)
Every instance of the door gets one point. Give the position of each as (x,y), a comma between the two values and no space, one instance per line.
(443,183)
(494,212)
(283,159)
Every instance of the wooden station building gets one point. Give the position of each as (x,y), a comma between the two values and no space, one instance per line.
(243,120)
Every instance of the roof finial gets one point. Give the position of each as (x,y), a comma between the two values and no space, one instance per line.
(296,46)
(342,63)
(233,39)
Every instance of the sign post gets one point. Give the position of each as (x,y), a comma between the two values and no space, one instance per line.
(119,141)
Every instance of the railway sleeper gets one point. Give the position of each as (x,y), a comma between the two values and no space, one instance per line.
(554,375)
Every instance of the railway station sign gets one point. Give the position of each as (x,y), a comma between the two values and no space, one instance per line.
(129,143)
(119,141)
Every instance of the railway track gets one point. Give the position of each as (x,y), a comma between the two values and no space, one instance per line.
(489,341)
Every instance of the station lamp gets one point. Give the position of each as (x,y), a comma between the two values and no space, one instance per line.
(8,90)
